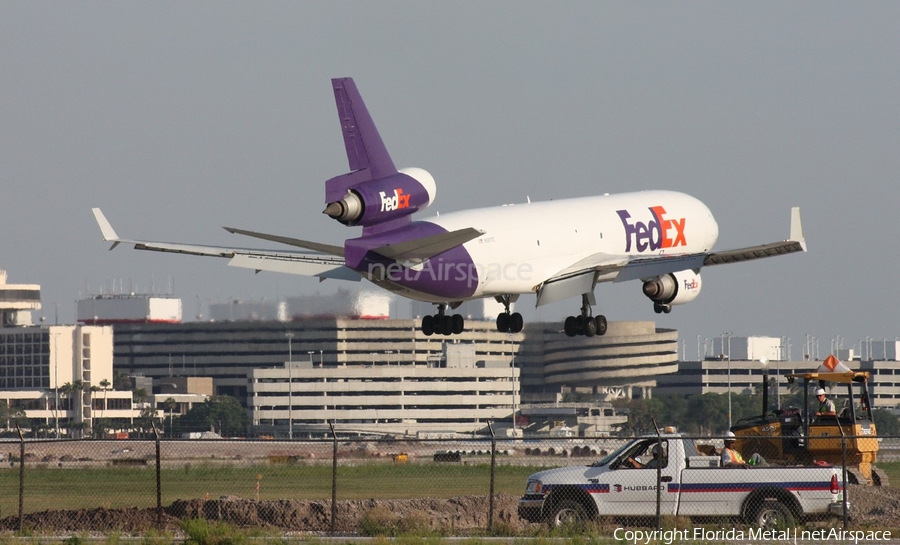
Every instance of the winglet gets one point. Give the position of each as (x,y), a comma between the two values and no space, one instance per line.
(797,227)
(109,234)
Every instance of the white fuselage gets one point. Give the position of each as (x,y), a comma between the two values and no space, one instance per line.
(525,244)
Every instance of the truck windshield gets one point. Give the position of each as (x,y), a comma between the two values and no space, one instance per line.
(612,456)
(690,449)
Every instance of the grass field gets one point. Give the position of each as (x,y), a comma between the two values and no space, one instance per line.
(51,488)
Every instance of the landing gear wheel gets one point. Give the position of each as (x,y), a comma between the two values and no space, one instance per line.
(508,322)
(503,322)
(457,324)
(601,324)
(446,325)
(428,325)
(590,327)
(569,326)
(657,308)
(516,322)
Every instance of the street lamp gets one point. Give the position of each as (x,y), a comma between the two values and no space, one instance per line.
(512,364)
(56,382)
(290,337)
(728,355)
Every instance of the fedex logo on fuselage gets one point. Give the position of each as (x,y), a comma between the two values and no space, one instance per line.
(395,202)
(659,233)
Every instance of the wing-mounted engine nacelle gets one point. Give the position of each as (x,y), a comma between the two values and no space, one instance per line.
(376,201)
(672,289)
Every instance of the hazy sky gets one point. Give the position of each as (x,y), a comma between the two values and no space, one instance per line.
(178,118)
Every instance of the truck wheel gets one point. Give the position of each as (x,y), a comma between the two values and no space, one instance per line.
(773,515)
(567,513)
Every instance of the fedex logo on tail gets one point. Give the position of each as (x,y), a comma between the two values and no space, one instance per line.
(395,202)
(658,233)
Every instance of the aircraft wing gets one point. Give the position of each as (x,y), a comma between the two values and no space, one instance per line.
(796,243)
(581,277)
(284,261)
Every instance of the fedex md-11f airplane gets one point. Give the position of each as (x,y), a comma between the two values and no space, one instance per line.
(556,250)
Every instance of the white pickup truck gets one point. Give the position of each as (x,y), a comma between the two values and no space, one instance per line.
(624,484)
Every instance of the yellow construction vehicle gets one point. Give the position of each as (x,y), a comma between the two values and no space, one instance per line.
(797,436)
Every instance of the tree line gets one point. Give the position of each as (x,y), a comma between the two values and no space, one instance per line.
(707,414)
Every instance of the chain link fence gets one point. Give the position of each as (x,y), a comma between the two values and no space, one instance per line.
(454,487)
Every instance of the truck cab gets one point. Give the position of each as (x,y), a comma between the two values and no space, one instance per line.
(631,474)
(668,471)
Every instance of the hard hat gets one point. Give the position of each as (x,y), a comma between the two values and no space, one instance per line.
(820,392)
(729,435)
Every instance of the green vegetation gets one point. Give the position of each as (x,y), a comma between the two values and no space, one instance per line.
(707,414)
(52,488)
(222,414)
(893,471)
(203,532)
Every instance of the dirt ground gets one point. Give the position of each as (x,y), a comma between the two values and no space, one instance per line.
(872,507)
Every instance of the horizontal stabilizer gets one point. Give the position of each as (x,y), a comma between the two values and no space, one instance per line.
(420,249)
(329,264)
(290,265)
(290,241)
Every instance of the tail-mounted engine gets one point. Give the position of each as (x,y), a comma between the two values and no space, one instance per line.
(672,289)
(377,201)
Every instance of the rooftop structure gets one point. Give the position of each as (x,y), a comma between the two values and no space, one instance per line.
(129,309)
(17,301)
(49,372)
(385,399)
(745,377)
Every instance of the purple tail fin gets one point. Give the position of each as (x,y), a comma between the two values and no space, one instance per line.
(366,153)
(374,193)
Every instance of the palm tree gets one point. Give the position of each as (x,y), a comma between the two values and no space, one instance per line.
(74,391)
(121,380)
(105,384)
(170,404)
(66,391)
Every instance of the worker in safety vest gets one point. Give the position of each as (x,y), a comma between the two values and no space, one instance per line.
(732,458)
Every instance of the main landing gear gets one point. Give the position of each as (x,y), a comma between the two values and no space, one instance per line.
(443,324)
(586,324)
(506,322)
